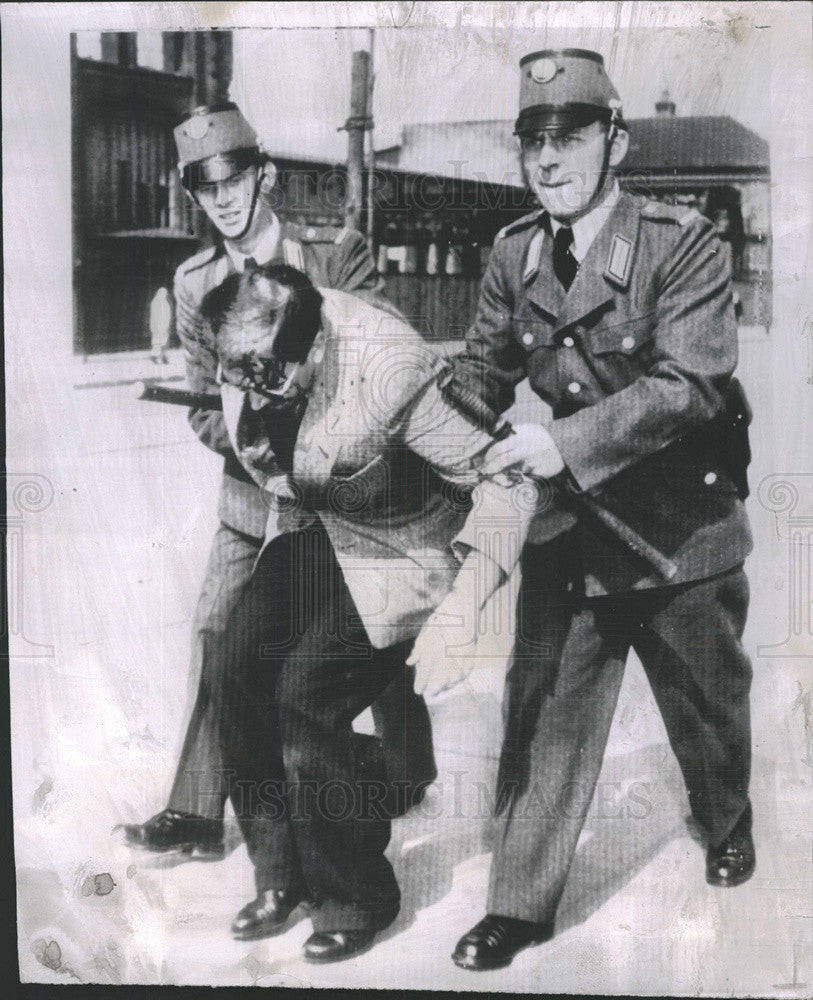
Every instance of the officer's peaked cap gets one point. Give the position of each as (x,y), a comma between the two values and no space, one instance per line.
(214,143)
(563,89)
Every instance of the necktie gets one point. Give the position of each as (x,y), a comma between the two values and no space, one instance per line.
(565,265)
(250,264)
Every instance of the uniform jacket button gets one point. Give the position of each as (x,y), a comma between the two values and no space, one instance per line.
(527,339)
(710,478)
(568,341)
(628,343)
(574,387)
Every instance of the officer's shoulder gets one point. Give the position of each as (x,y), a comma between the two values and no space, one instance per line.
(332,235)
(195,269)
(670,215)
(521,225)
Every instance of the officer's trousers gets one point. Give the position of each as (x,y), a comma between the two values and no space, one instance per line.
(561,691)
(200,786)
(308,792)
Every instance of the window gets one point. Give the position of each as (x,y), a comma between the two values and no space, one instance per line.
(143,206)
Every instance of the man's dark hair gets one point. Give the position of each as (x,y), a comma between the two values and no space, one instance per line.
(303,309)
(241,295)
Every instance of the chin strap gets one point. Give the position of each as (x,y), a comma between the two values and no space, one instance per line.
(254,199)
(612,132)
(605,167)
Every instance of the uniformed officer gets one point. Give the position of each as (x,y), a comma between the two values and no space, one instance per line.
(619,312)
(227,174)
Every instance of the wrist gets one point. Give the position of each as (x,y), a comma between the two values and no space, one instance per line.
(566,481)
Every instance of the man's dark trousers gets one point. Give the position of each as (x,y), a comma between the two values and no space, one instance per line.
(307,790)
(561,692)
(200,785)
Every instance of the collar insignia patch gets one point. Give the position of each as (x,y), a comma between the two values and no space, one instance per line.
(619,262)
(532,260)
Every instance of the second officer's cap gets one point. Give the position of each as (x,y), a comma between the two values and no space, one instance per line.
(214,143)
(563,89)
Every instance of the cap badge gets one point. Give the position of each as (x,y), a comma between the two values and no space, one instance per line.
(196,128)
(544,70)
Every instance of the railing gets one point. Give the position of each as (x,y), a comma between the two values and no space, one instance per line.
(441,307)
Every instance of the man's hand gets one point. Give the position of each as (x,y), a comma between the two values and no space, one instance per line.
(530,449)
(442,652)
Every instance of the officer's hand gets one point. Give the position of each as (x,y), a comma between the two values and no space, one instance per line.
(442,654)
(530,449)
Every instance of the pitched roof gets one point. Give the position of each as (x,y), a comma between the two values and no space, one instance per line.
(486,150)
(706,142)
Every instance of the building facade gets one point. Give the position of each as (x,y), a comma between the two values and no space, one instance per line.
(132,221)
(437,199)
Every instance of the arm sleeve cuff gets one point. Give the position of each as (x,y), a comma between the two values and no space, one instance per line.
(499,522)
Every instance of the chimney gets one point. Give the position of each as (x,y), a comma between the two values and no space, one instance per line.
(665,107)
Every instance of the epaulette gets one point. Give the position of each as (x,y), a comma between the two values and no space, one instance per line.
(199,260)
(519,224)
(322,234)
(657,211)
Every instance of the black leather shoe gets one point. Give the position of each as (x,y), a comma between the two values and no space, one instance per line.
(333,946)
(266,915)
(171,831)
(733,861)
(493,942)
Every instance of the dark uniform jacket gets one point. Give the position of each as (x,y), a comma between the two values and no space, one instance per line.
(635,361)
(334,258)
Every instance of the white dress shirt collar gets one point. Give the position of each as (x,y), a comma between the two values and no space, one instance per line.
(586,228)
(262,253)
